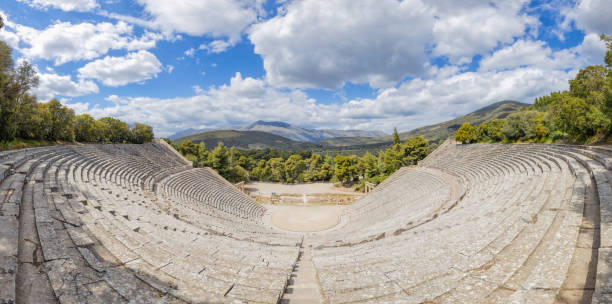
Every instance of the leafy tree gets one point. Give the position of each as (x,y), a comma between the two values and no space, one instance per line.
(574,116)
(303,166)
(237,174)
(188,148)
(370,164)
(494,130)
(541,131)
(345,170)
(202,154)
(480,131)
(277,169)
(294,166)
(392,159)
(327,169)
(414,149)
(85,128)
(520,126)
(542,125)
(142,133)
(465,134)
(396,137)
(233,156)
(246,162)
(103,131)
(218,159)
(22,116)
(312,167)
(14,85)
(59,121)
(590,84)
(29,118)
(608,57)
(116,130)
(261,171)
(541,103)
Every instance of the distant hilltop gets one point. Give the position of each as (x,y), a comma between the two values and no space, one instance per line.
(288,131)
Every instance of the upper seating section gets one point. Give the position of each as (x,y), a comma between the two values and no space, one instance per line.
(519,225)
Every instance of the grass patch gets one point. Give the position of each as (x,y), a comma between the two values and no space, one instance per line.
(26,143)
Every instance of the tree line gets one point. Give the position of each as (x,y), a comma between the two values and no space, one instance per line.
(582,114)
(23,117)
(273,165)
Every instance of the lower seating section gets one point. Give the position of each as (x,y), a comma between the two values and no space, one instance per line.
(203,198)
(205,186)
(408,198)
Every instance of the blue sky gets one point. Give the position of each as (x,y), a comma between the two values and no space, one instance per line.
(345,64)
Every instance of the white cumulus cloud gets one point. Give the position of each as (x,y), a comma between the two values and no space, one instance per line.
(63,41)
(323,44)
(445,94)
(52,85)
(117,71)
(221,105)
(217,18)
(64,5)
(537,54)
(462,31)
(216,46)
(592,16)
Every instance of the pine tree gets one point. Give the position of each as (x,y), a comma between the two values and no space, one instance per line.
(396,138)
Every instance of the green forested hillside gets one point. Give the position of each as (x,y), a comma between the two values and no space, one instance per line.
(439,132)
(351,141)
(248,140)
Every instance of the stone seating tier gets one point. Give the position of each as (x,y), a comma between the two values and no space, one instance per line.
(485,223)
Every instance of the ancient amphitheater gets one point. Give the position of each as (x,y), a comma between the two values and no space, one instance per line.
(521,223)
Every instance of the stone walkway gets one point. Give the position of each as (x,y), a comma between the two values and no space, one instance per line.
(303,287)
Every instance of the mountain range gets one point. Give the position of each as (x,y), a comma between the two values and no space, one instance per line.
(279,135)
(286,130)
(306,135)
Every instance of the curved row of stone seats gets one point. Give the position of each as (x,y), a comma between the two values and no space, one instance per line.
(208,188)
(146,164)
(511,238)
(201,197)
(415,196)
(597,160)
(97,235)
(217,222)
